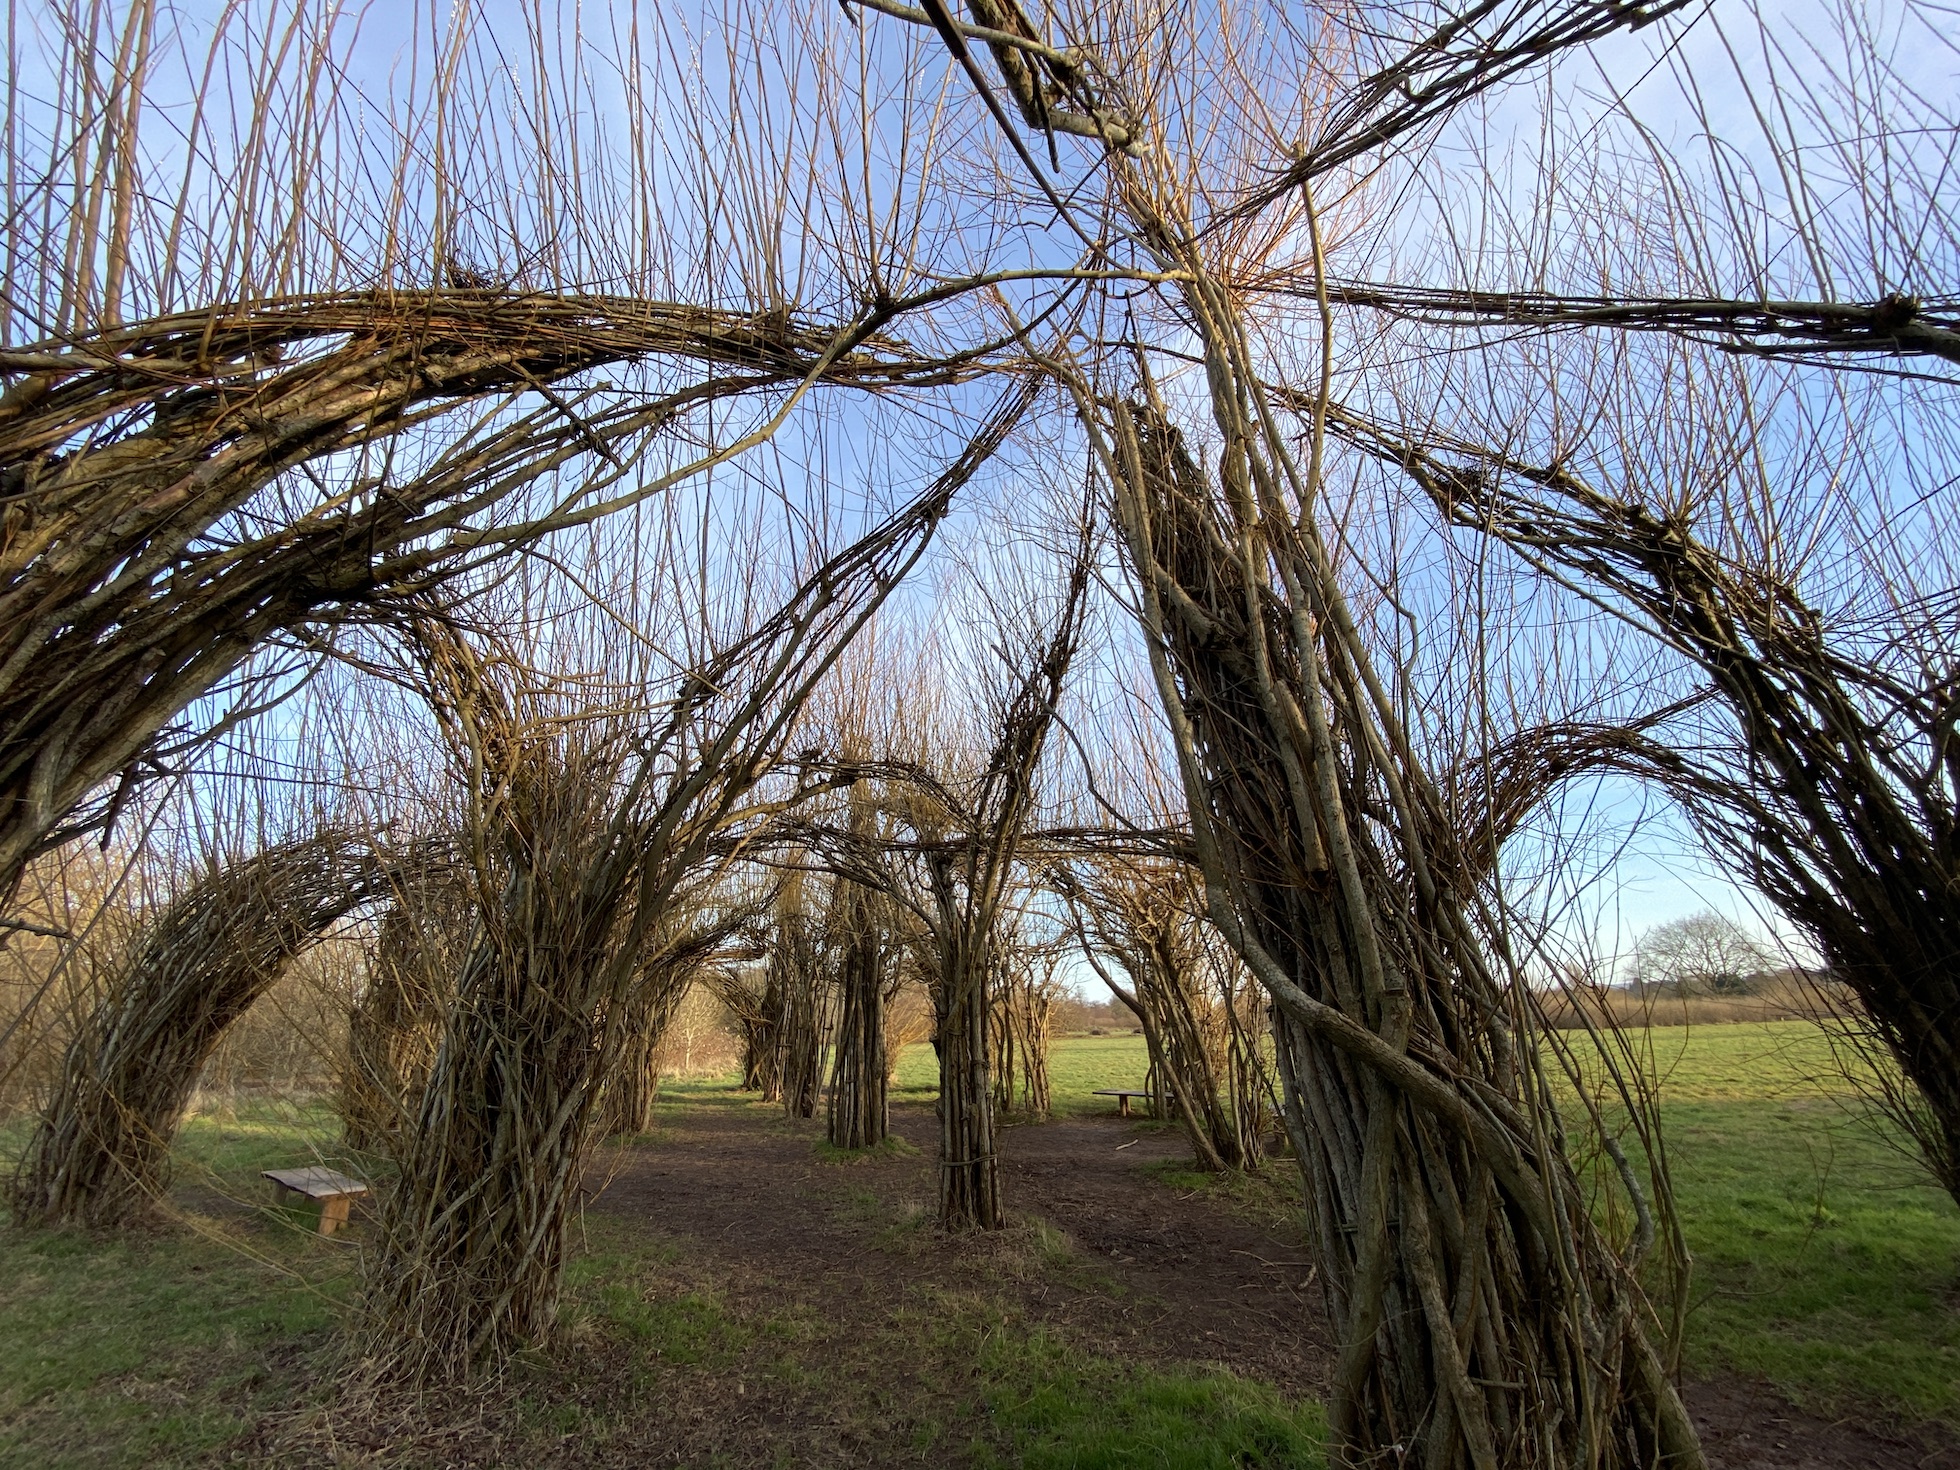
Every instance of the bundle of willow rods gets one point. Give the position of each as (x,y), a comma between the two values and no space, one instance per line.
(632,1079)
(1148,915)
(101,1155)
(579,834)
(473,1237)
(859,1111)
(1484,1316)
(1019,1025)
(679,954)
(130,582)
(799,975)
(757,1007)
(968,878)
(392,1029)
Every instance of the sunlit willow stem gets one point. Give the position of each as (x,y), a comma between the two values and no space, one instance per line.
(1486,1316)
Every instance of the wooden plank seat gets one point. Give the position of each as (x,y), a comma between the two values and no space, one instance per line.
(1123,1096)
(335,1192)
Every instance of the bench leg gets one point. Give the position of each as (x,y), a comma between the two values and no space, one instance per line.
(333,1213)
(1123,1107)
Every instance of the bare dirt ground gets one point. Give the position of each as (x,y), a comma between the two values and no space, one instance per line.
(1108,1255)
(1160,1276)
(1749,1426)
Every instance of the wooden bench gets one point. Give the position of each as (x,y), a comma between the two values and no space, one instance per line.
(335,1191)
(1123,1096)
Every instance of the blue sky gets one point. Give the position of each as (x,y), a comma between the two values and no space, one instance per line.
(841,460)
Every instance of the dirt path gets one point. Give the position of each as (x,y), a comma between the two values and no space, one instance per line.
(1154,1274)
(1120,1264)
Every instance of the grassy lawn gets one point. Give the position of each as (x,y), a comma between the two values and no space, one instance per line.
(1825,1261)
(1825,1264)
(162,1346)
(1061,1411)
(167,1346)
(1077,1066)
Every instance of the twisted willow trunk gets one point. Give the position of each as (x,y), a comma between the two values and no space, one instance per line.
(1485,1318)
(473,1238)
(566,982)
(969,1164)
(101,1154)
(858,1107)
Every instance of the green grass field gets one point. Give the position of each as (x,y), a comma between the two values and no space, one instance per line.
(1824,1263)
(161,1347)
(1824,1259)
(1077,1066)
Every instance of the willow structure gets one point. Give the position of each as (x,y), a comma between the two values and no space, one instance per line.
(1205,1064)
(757,1006)
(101,1155)
(1481,1304)
(1838,798)
(392,1028)
(859,1111)
(125,452)
(968,878)
(1486,1315)
(580,833)
(1020,1024)
(799,977)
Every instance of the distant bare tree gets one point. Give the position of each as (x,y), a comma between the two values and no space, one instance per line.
(1702,954)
